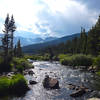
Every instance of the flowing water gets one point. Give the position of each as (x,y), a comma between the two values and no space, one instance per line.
(65,75)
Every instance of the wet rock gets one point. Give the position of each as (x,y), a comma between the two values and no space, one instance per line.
(71,86)
(50,83)
(95,94)
(10,74)
(92,69)
(40,69)
(51,72)
(78,93)
(94,99)
(25,72)
(31,82)
(30,61)
(79,90)
(30,72)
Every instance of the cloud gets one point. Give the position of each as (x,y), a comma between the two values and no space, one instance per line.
(50,17)
(91,4)
(67,17)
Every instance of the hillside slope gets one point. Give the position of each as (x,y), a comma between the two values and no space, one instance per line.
(34,48)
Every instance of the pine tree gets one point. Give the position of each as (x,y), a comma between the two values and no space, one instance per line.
(19,49)
(6,40)
(12,29)
(69,46)
(74,45)
(83,41)
(94,39)
(15,51)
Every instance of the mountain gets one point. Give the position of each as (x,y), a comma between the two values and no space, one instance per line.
(28,41)
(34,48)
(49,39)
(1,35)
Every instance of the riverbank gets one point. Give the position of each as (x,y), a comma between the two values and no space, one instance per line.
(85,62)
(12,82)
(65,75)
(13,85)
(79,62)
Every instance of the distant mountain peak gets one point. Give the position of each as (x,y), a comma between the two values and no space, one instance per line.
(29,40)
(33,48)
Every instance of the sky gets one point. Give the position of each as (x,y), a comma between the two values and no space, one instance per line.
(45,18)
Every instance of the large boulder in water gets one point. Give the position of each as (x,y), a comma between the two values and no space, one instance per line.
(50,83)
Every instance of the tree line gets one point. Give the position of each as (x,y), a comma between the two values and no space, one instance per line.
(86,43)
(7,48)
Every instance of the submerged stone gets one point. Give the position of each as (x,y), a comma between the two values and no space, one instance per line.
(32,82)
(78,93)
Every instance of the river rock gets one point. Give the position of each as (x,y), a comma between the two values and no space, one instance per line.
(51,72)
(40,69)
(94,99)
(71,86)
(30,61)
(31,82)
(79,90)
(50,83)
(10,74)
(25,72)
(78,93)
(30,72)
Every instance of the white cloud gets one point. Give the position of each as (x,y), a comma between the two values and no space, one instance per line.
(53,16)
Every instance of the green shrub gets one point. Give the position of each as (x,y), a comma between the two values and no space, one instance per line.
(96,62)
(17,85)
(55,58)
(63,56)
(34,57)
(46,57)
(20,64)
(82,60)
(4,67)
(20,68)
(66,61)
(18,60)
(77,60)
(98,73)
(4,86)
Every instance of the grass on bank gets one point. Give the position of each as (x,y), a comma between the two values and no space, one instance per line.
(96,62)
(3,66)
(76,60)
(45,57)
(81,60)
(16,64)
(20,64)
(17,85)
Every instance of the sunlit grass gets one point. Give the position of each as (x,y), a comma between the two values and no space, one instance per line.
(15,85)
